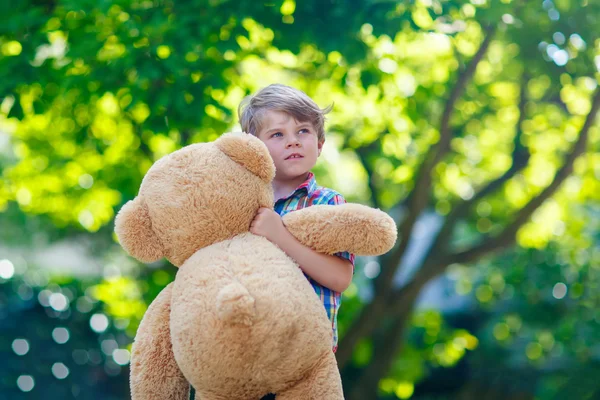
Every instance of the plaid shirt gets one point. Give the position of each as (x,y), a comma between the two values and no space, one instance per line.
(306,195)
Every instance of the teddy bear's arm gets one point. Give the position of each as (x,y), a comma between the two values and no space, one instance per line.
(348,227)
(154,372)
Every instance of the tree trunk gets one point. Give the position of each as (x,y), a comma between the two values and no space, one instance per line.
(385,349)
(396,306)
(371,313)
(416,203)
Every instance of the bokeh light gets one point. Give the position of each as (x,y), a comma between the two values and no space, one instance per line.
(60,335)
(371,269)
(20,346)
(121,356)
(58,301)
(99,322)
(7,269)
(60,370)
(26,383)
(559,290)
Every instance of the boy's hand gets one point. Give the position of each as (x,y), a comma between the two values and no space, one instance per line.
(267,223)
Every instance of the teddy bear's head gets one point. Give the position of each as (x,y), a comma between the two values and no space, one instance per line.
(196,196)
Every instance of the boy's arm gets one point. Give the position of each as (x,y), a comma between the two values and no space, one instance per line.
(330,271)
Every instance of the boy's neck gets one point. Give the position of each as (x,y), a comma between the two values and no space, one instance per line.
(284,188)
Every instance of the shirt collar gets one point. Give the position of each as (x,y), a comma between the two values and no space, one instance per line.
(309,185)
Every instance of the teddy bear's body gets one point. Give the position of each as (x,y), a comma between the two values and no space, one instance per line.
(240,320)
(232,289)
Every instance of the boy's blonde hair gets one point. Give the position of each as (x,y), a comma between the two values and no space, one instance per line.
(278,97)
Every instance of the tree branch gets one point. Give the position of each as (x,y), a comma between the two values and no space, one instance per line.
(362,326)
(366,386)
(186,134)
(556,100)
(362,153)
(457,91)
(401,301)
(520,158)
(386,348)
(416,201)
(429,269)
(144,148)
(419,196)
(507,236)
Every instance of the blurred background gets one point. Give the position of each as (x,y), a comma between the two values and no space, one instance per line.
(472,123)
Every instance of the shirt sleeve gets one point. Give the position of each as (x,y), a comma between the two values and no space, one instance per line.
(335,200)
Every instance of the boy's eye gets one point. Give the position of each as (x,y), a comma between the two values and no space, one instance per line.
(304,131)
(276,134)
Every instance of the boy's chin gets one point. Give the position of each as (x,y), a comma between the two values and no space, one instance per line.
(292,175)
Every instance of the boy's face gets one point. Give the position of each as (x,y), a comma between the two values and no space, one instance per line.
(293,145)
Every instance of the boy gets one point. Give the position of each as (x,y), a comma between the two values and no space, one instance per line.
(292,127)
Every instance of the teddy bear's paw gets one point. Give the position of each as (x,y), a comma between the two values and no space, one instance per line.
(235,304)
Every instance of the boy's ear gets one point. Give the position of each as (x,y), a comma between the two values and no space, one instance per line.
(320,146)
(248,151)
(133,227)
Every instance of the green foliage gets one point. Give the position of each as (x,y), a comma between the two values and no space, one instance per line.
(57,343)
(95,92)
(543,323)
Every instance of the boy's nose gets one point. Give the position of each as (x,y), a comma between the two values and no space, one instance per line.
(293,143)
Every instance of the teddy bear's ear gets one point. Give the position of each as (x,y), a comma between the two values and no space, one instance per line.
(133,227)
(250,152)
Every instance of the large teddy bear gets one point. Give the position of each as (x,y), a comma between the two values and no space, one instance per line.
(240,320)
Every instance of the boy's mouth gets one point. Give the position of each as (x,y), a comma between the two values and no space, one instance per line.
(294,156)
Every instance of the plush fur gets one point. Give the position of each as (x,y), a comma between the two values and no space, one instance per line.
(240,320)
